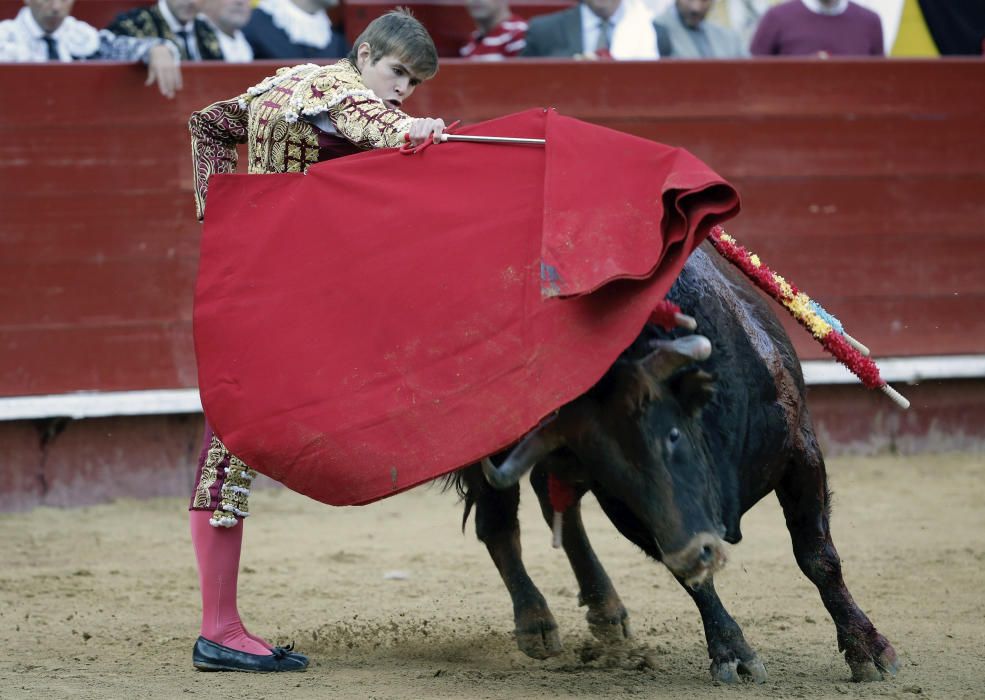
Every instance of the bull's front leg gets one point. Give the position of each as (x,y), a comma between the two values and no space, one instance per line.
(497,526)
(804,496)
(607,617)
(731,657)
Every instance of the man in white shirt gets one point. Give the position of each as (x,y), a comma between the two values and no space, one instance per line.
(621,29)
(44,30)
(227,18)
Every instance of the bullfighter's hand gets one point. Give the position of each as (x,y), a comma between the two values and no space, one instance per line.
(420,129)
(163,69)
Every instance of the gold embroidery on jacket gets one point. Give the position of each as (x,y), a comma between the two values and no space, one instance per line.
(270,118)
(209,44)
(234,496)
(210,472)
(307,91)
(215,133)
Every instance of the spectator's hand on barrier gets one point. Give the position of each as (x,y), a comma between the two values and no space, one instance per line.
(420,129)
(600,55)
(163,70)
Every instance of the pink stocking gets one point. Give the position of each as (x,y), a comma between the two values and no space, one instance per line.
(217,551)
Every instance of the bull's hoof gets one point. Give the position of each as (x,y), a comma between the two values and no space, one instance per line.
(733,670)
(610,628)
(879,664)
(882,668)
(540,641)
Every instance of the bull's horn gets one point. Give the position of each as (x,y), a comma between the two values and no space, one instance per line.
(538,443)
(686,322)
(669,355)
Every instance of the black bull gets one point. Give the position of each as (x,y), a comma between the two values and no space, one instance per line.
(676,442)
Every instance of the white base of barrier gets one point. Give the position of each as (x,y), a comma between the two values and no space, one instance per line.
(97,404)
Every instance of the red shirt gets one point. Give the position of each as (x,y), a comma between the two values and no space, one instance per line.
(505,40)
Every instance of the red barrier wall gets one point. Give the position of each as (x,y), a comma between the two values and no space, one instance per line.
(862,182)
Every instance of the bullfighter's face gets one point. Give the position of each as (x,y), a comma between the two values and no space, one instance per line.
(389,77)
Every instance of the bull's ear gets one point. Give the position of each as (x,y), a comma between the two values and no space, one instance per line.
(694,389)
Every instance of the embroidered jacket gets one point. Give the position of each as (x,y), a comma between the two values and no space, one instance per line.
(277,120)
(149,22)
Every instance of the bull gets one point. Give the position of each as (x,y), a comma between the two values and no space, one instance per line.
(677,441)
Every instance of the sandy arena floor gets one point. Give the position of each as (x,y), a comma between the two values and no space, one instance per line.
(102,602)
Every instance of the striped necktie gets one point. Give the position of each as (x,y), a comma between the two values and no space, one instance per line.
(186,52)
(605,32)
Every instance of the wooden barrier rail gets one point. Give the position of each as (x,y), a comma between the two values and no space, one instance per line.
(862,181)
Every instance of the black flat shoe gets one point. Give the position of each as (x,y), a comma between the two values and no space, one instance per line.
(209,656)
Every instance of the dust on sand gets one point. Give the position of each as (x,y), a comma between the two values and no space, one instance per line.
(103,602)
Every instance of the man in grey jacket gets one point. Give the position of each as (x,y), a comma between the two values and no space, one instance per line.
(692,36)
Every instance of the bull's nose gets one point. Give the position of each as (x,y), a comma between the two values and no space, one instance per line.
(698,559)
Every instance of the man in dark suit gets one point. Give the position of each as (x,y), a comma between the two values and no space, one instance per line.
(294,29)
(621,29)
(177,22)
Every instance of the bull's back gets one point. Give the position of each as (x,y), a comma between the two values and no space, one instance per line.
(759,402)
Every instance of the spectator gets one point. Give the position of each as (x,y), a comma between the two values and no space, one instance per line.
(499,34)
(44,30)
(693,36)
(822,27)
(622,29)
(227,19)
(294,29)
(176,21)
(741,16)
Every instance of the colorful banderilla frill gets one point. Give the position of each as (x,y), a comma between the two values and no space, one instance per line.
(668,316)
(825,328)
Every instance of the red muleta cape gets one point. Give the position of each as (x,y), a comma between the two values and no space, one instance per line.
(386,319)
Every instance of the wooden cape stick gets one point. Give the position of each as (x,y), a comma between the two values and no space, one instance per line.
(491,139)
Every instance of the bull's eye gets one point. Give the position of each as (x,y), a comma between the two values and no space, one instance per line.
(675,435)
